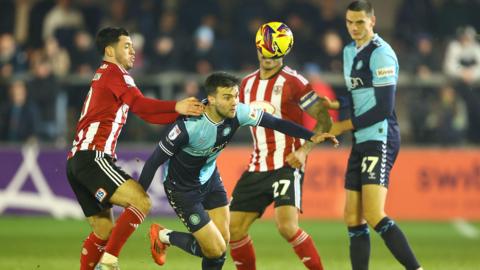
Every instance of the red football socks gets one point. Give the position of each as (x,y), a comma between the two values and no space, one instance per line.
(243,254)
(126,224)
(305,249)
(92,250)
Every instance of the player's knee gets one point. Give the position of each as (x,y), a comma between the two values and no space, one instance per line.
(352,219)
(103,230)
(215,250)
(143,203)
(373,217)
(287,230)
(237,231)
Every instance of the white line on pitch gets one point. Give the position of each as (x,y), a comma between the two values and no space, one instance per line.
(466,229)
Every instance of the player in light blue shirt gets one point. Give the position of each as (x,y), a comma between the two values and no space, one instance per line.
(189,148)
(370,69)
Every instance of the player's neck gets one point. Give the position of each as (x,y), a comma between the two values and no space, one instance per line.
(112,60)
(213,115)
(267,74)
(359,43)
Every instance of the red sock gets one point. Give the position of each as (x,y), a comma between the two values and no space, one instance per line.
(92,250)
(243,254)
(126,224)
(303,245)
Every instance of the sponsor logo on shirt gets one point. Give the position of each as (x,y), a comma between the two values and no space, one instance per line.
(104,66)
(385,72)
(129,80)
(100,195)
(173,134)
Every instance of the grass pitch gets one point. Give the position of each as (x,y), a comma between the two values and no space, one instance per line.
(44,243)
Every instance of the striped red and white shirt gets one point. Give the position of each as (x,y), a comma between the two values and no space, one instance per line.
(285,95)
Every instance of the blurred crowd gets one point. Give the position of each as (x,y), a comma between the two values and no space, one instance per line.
(43,42)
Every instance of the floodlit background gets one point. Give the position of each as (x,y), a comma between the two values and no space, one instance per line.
(47,59)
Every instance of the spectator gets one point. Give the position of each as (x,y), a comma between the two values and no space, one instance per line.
(62,17)
(449,119)
(84,56)
(462,64)
(57,57)
(332,58)
(168,46)
(12,59)
(118,16)
(45,92)
(18,116)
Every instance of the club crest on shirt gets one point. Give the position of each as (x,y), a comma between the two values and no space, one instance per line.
(173,134)
(277,89)
(226,131)
(359,65)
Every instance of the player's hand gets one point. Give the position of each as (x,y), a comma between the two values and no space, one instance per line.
(189,106)
(318,138)
(297,159)
(330,104)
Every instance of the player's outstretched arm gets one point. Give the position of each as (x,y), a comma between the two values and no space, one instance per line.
(189,106)
(289,128)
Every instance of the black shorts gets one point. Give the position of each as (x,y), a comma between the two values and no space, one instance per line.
(94,177)
(370,163)
(256,190)
(190,205)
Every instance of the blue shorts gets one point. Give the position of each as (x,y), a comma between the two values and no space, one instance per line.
(370,163)
(190,206)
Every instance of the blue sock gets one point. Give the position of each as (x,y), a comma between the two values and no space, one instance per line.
(187,242)
(397,243)
(213,263)
(359,246)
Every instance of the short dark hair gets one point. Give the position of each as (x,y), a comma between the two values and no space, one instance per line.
(361,5)
(219,79)
(108,36)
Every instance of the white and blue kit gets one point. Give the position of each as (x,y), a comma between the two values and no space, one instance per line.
(189,149)
(371,74)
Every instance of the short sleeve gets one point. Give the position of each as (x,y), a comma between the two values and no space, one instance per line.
(248,116)
(384,67)
(300,87)
(174,138)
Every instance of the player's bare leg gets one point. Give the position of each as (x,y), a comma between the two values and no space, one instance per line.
(358,231)
(137,205)
(373,204)
(286,219)
(241,246)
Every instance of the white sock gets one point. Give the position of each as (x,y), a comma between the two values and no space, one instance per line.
(164,236)
(108,258)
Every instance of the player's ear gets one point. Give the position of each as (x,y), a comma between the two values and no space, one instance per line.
(110,51)
(211,99)
(374,19)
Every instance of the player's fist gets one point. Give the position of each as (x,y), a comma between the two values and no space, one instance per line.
(330,104)
(321,137)
(189,106)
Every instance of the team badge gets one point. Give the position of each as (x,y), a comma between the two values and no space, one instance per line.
(194,219)
(277,89)
(226,131)
(359,65)
(173,134)
(100,194)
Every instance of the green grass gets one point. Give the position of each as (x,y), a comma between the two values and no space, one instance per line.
(43,243)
